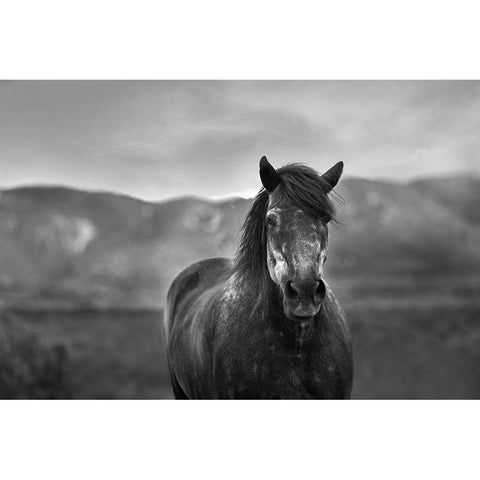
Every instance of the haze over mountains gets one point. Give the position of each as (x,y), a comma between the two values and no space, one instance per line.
(63,248)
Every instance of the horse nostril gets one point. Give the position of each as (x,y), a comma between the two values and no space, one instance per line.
(313,290)
(291,290)
(320,289)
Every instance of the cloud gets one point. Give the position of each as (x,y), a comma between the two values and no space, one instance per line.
(161,139)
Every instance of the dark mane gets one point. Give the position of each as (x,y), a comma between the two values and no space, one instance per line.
(300,186)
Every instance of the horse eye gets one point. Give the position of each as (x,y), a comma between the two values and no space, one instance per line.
(270,222)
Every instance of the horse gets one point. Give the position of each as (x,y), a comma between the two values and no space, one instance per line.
(265,325)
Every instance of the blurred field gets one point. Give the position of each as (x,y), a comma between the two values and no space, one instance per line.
(109,354)
(413,338)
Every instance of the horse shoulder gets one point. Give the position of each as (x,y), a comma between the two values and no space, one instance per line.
(187,319)
(191,281)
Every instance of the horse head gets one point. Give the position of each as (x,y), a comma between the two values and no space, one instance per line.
(296,233)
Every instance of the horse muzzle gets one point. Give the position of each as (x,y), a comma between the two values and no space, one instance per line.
(303,299)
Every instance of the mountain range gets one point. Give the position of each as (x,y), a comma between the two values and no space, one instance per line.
(64,248)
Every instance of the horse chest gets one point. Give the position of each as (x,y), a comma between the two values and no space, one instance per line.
(277,373)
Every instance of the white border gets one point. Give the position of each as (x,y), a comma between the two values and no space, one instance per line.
(247,40)
(254,39)
(239,440)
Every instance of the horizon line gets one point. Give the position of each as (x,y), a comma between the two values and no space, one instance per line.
(245,194)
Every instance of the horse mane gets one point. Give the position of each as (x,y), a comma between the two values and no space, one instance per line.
(302,187)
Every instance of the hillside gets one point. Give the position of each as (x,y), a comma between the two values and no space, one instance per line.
(396,228)
(459,195)
(62,248)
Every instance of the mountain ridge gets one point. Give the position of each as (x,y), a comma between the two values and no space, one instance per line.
(67,247)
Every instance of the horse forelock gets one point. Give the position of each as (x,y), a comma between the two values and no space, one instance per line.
(304,188)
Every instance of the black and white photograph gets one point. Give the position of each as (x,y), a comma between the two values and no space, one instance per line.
(240,240)
(251,201)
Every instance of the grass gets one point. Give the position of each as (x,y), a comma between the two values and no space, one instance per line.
(416,353)
(111,354)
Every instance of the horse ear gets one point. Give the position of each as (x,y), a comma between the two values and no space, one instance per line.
(333,175)
(268,175)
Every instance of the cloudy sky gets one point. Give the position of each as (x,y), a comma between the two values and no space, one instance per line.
(157,140)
